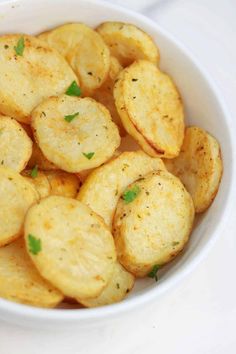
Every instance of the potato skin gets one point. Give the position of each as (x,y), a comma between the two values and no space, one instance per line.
(104,186)
(128,43)
(154,227)
(67,143)
(15,144)
(199,166)
(21,282)
(150,109)
(28,79)
(78,253)
(117,288)
(16,196)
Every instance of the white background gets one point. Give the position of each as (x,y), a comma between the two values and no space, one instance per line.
(199,315)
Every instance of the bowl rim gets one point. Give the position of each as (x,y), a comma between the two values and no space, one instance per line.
(72,315)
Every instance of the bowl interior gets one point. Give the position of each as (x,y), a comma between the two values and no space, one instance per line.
(202,107)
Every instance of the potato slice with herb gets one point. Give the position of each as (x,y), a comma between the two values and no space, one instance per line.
(104,94)
(38,159)
(73,248)
(128,43)
(20,280)
(15,145)
(152,223)
(75,133)
(63,183)
(150,109)
(39,180)
(30,71)
(118,287)
(199,167)
(104,186)
(84,49)
(16,196)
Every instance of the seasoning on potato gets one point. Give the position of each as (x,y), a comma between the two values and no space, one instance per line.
(16,196)
(75,133)
(128,43)
(199,167)
(15,145)
(152,223)
(20,280)
(150,109)
(104,186)
(85,51)
(74,250)
(116,290)
(30,71)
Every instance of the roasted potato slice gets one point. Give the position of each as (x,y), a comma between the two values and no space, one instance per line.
(39,180)
(104,94)
(30,71)
(15,145)
(104,186)
(128,43)
(75,133)
(16,196)
(152,223)
(38,159)
(150,109)
(117,288)
(63,183)
(85,50)
(20,280)
(75,252)
(199,167)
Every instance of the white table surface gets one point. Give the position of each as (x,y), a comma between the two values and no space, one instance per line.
(199,315)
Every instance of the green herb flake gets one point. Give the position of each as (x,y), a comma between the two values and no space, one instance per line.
(175,243)
(70,117)
(35,245)
(153,273)
(117,286)
(131,194)
(73,90)
(34,172)
(19,48)
(89,155)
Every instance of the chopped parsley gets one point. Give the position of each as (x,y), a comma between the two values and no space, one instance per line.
(73,90)
(117,286)
(70,117)
(34,244)
(34,172)
(89,155)
(175,243)
(19,48)
(130,194)
(153,273)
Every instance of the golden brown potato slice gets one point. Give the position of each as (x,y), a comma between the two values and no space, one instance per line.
(30,71)
(16,196)
(70,245)
(39,180)
(150,109)
(199,167)
(152,223)
(84,49)
(104,94)
(38,159)
(15,145)
(20,280)
(117,288)
(63,183)
(128,43)
(75,133)
(104,186)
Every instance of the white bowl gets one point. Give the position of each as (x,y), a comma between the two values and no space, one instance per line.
(204,107)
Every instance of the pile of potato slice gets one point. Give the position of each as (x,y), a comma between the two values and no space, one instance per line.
(100,179)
